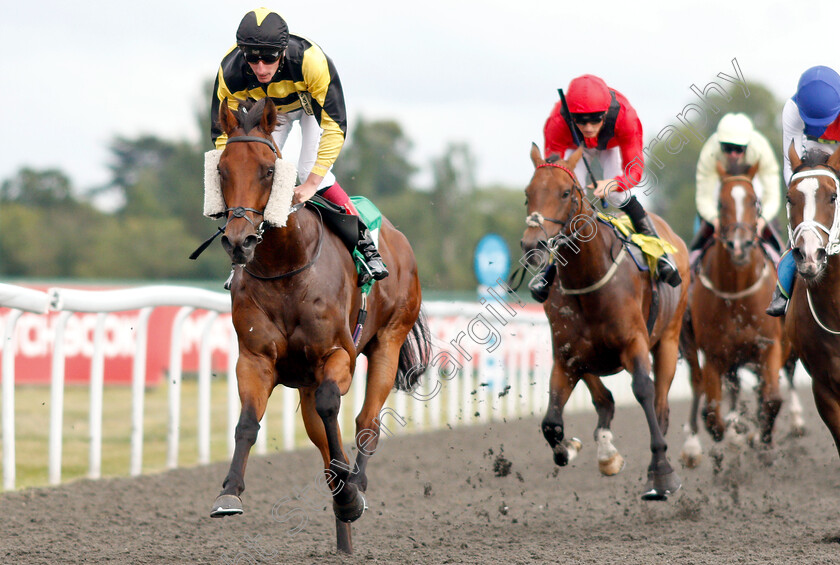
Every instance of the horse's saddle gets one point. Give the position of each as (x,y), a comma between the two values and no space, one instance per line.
(644,249)
(348,227)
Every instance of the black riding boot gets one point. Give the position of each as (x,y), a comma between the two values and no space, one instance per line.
(778,303)
(702,236)
(373,261)
(541,283)
(666,268)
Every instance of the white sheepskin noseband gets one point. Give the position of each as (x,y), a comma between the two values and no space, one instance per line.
(279,201)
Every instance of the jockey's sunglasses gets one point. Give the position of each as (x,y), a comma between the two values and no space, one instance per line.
(732,148)
(269,57)
(592,118)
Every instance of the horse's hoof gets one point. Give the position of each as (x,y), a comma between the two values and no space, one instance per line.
(611,466)
(566,451)
(692,453)
(659,487)
(226,505)
(351,511)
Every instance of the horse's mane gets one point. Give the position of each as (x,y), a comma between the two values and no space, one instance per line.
(737,168)
(249,113)
(813,157)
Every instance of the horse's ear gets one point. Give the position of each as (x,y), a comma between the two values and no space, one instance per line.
(795,161)
(753,170)
(269,118)
(720,170)
(227,119)
(575,157)
(536,157)
(834,160)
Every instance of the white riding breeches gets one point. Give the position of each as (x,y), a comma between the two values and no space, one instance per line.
(310,140)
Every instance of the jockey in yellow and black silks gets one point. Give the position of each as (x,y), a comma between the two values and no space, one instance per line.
(268,61)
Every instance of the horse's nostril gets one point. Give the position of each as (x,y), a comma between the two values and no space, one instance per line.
(226,242)
(250,241)
(797,254)
(820,254)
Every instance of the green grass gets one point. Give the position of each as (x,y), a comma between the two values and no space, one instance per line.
(32,413)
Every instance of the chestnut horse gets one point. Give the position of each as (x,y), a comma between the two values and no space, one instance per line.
(597,310)
(813,317)
(725,320)
(295,303)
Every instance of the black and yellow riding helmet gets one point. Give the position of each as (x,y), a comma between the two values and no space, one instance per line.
(262,31)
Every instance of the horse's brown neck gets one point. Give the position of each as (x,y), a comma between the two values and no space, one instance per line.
(288,248)
(586,261)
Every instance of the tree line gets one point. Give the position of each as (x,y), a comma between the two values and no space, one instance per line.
(50,229)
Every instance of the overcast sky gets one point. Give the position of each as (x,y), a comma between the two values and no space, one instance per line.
(486,73)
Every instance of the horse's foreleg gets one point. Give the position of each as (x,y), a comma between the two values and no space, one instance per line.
(771,396)
(382,368)
(255,385)
(714,395)
(561,387)
(828,406)
(318,435)
(610,461)
(662,480)
(348,502)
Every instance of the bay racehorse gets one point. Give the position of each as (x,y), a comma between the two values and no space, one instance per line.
(725,321)
(598,309)
(295,304)
(813,317)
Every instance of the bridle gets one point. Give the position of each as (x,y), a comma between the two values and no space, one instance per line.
(726,234)
(235,212)
(537,220)
(832,246)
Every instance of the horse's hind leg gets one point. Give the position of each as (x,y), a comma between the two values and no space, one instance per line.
(662,480)
(797,423)
(255,384)
(665,356)
(610,461)
(382,368)
(560,389)
(692,450)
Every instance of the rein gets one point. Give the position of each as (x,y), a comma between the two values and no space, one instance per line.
(814,314)
(299,269)
(752,289)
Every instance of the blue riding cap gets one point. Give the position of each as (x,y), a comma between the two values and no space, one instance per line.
(818,98)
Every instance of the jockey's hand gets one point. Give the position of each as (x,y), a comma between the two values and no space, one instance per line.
(759,228)
(716,225)
(604,187)
(307,190)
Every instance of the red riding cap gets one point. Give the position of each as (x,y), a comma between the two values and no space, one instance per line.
(588,94)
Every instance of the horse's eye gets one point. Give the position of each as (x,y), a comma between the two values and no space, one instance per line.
(269,173)
(833,198)
(567,193)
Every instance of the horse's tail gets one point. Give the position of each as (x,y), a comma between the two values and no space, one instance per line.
(415,355)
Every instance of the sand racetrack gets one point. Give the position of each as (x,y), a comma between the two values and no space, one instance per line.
(435,498)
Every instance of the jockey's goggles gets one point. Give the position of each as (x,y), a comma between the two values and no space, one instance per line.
(591,118)
(732,148)
(267,56)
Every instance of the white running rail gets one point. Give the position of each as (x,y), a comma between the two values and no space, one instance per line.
(490,361)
